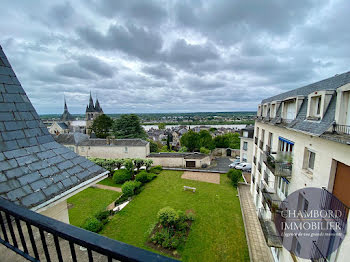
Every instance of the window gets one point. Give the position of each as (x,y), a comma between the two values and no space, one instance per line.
(245,146)
(273,110)
(245,133)
(309,159)
(244,157)
(126,149)
(315,106)
(282,186)
(289,110)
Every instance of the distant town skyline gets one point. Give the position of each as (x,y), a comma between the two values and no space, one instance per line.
(171,56)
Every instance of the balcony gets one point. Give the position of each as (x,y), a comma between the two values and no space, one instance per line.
(261,144)
(267,149)
(280,164)
(266,178)
(256,140)
(254,160)
(259,167)
(26,233)
(272,237)
(316,254)
(272,200)
(341,129)
(330,202)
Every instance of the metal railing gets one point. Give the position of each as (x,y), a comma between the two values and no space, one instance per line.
(272,236)
(261,144)
(279,167)
(259,167)
(254,160)
(316,254)
(23,242)
(256,140)
(342,129)
(331,202)
(267,149)
(266,178)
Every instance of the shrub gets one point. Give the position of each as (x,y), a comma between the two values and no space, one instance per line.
(156,169)
(121,175)
(103,216)
(204,150)
(129,165)
(167,216)
(234,175)
(145,177)
(148,163)
(121,199)
(129,187)
(93,224)
(142,177)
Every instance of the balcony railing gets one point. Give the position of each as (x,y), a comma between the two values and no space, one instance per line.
(316,254)
(267,149)
(254,160)
(331,202)
(280,164)
(272,237)
(341,129)
(259,167)
(256,140)
(266,178)
(272,200)
(66,238)
(261,144)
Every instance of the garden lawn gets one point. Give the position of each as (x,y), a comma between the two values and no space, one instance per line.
(89,202)
(109,182)
(217,233)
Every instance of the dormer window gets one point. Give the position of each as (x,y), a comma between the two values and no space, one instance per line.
(273,110)
(318,102)
(265,110)
(259,111)
(289,109)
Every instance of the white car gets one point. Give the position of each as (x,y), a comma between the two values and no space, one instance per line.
(234,163)
(244,166)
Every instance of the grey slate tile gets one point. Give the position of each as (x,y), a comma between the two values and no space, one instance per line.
(29,178)
(33,199)
(38,184)
(51,190)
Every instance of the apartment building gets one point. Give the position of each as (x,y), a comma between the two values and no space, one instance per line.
(247,142)
(302,139)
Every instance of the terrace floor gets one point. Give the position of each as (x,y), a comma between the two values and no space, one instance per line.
(258,249)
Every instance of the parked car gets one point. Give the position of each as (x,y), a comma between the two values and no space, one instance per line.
(234,163)
(244,167)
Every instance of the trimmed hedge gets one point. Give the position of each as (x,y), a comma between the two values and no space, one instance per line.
(234,175)
(145,177)
(130,188)
(93,224)
(121,175)
(156,169)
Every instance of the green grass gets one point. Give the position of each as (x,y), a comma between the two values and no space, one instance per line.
(89,202)
(109,182)
(217,234)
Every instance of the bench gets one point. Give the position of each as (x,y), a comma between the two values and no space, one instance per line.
(190,188)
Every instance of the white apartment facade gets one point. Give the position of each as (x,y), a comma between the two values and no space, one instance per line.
(247,144)
(302,139)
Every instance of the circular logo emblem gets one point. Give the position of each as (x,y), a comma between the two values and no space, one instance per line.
(311,223)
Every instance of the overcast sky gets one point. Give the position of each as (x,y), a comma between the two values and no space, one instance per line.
(171,56)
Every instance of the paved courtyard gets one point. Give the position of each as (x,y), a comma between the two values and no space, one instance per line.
(258,249)
(202,176)
(221,164)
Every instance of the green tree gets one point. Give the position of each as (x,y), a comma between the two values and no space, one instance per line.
(161,126)
(102,125)
(204,150)
(190,140)
(205,140)
(153,146)
(230,140)
(128,126)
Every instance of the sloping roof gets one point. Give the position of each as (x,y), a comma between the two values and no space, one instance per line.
(62,125)
(301,123)
(33,167)
(331,83)
(114,142)
(71,138)
(178,155)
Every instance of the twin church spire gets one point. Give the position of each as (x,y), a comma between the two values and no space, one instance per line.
(93,108)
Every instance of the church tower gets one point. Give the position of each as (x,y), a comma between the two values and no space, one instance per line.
(92,112)
(66,116)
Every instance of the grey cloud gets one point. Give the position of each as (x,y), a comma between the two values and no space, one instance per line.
(73,70)
(95,65)
(160,71)
(132,40)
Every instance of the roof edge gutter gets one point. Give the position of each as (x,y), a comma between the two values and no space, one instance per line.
(65,194)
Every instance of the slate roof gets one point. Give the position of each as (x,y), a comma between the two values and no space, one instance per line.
(301,123)
(71,138)
(62,125)
(33,167)
(178,155)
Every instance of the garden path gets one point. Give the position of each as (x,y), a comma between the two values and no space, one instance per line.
(112,188)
